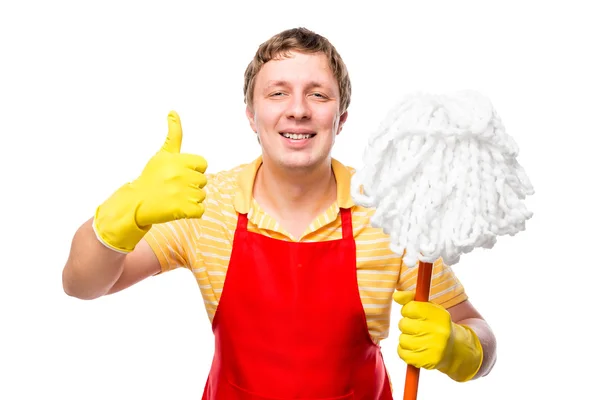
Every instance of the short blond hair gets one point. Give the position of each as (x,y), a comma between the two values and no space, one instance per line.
(304,41)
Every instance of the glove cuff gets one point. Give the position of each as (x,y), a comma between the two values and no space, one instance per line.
(467,354)
(114,222)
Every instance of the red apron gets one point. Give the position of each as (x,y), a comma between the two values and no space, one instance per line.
(290,323)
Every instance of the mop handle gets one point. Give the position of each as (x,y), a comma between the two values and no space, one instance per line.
(411,383)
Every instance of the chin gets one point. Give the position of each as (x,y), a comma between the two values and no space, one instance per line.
(301,161)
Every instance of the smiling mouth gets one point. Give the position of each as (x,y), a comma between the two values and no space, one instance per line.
(297,136)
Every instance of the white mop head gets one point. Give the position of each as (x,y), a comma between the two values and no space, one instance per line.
(443,176)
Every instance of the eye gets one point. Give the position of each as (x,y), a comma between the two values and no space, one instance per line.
(320,95)
(276,94)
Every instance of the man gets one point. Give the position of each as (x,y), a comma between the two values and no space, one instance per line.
(297,284)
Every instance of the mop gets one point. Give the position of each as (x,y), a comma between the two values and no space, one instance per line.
(442,175)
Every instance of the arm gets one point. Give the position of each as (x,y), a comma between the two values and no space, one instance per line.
(93,270)
(108,252)
(456,341)
(465,314)
(447,333)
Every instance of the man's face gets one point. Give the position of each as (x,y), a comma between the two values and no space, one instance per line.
(296,110)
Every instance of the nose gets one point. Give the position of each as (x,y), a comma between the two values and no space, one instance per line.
(298,108)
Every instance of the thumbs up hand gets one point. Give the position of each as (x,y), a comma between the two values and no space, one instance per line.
(170,185)
(169,188)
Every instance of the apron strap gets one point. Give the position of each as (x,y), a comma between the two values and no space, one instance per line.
(346,223)
(242,223)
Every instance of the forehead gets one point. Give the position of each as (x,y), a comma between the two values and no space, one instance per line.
(297,68)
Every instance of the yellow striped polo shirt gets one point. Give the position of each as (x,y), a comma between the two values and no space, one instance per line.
(204,245)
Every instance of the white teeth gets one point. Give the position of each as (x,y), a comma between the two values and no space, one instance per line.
(296,136)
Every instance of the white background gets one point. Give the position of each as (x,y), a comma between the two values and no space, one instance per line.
(85,88)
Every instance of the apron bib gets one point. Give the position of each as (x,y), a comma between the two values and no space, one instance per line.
(290,323)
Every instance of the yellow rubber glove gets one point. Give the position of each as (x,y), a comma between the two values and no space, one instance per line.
(169,188)
(429,339)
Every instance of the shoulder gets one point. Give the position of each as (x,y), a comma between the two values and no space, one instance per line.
(223,186)
(359,212)
(361,216)
(226,180)
(223,192)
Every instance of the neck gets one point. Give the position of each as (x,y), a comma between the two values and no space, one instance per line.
(305,191)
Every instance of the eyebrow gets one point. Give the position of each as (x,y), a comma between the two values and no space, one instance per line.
(311,84)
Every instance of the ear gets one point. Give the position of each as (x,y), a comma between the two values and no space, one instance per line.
(343,119)
(250,116)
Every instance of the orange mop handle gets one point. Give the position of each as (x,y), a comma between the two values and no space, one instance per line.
(411,383)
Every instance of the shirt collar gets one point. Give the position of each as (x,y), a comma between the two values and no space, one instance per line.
(246,177)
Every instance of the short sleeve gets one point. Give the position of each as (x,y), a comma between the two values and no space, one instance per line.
(446,290)
(172,243)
